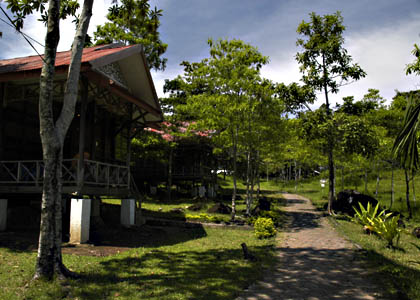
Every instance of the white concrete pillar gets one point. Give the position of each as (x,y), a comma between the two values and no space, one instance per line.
(3,214)
(79,220)
(128,209)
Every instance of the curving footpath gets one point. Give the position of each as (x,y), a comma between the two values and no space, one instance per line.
(314,261)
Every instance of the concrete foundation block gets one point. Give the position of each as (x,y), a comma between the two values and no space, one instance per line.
(80,220)
(128,209)
(3,214)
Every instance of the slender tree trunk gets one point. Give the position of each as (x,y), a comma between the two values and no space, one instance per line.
(331,186)
(267,173)
(342,178)
(296,180)
(170,166)
(248,182)
(414,189)
(235,170)
(258,181)
(377,183)
(49,258)
(407,193)
(392,186)
(366,181)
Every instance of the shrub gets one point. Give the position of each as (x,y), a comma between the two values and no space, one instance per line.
(274,215)
(264,228)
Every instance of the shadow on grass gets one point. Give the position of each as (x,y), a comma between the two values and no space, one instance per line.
(402,282)
(213,274)
(109,236)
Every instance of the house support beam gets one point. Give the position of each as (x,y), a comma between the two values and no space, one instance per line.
(2,90)
(79,220)
(128,208)
(3,214)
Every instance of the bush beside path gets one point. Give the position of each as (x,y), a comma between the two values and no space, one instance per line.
(314,261)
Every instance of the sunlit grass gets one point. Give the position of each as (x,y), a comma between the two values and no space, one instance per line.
(195,264)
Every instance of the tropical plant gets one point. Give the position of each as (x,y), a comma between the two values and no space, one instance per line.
(380,223)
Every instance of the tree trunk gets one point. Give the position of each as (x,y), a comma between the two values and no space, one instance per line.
(342,178)
(407,193)
(248,182)
(331,181)
(49,258)
(235,169)
(296,180)
(170,166)
(377,184)
(414,189)
(392,186)
(366,181)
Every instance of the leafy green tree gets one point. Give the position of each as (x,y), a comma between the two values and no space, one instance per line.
(134,22)
(326,66)
(49,259)
(224,81)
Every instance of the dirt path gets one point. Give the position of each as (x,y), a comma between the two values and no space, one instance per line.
(314,261)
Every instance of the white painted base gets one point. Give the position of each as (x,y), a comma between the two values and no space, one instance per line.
(79,220)
(128,209)
(3,214)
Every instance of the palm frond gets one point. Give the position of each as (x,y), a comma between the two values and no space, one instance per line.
(405,147)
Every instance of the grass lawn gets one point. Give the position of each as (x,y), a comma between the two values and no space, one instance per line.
(200,263)
(398,271)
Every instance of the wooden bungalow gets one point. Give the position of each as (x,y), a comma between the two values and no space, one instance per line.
(190,163)
(116,100)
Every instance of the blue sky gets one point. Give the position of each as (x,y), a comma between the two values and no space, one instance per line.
(380,36)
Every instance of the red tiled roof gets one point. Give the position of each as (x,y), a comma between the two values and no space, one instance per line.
(30,63)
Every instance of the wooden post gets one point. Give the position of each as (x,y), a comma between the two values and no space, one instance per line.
(82,131)
(2,87)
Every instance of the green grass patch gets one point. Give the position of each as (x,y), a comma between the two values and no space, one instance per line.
(397,270)
(201,263)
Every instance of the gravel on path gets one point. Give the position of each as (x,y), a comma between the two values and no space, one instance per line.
(314,262)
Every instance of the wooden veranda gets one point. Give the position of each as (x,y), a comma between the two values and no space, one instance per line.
(116,101)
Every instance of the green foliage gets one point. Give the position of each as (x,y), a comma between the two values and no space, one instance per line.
(204,217)
(414,67)
(349,133)
(264,228)
(274,215)
(324,62)
(382,224)
(134,22)
(22,8)
(406,144)
(366,217)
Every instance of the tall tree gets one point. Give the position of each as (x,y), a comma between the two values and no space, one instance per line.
(326,66)
(134,22)
(49,259)
(224,81)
